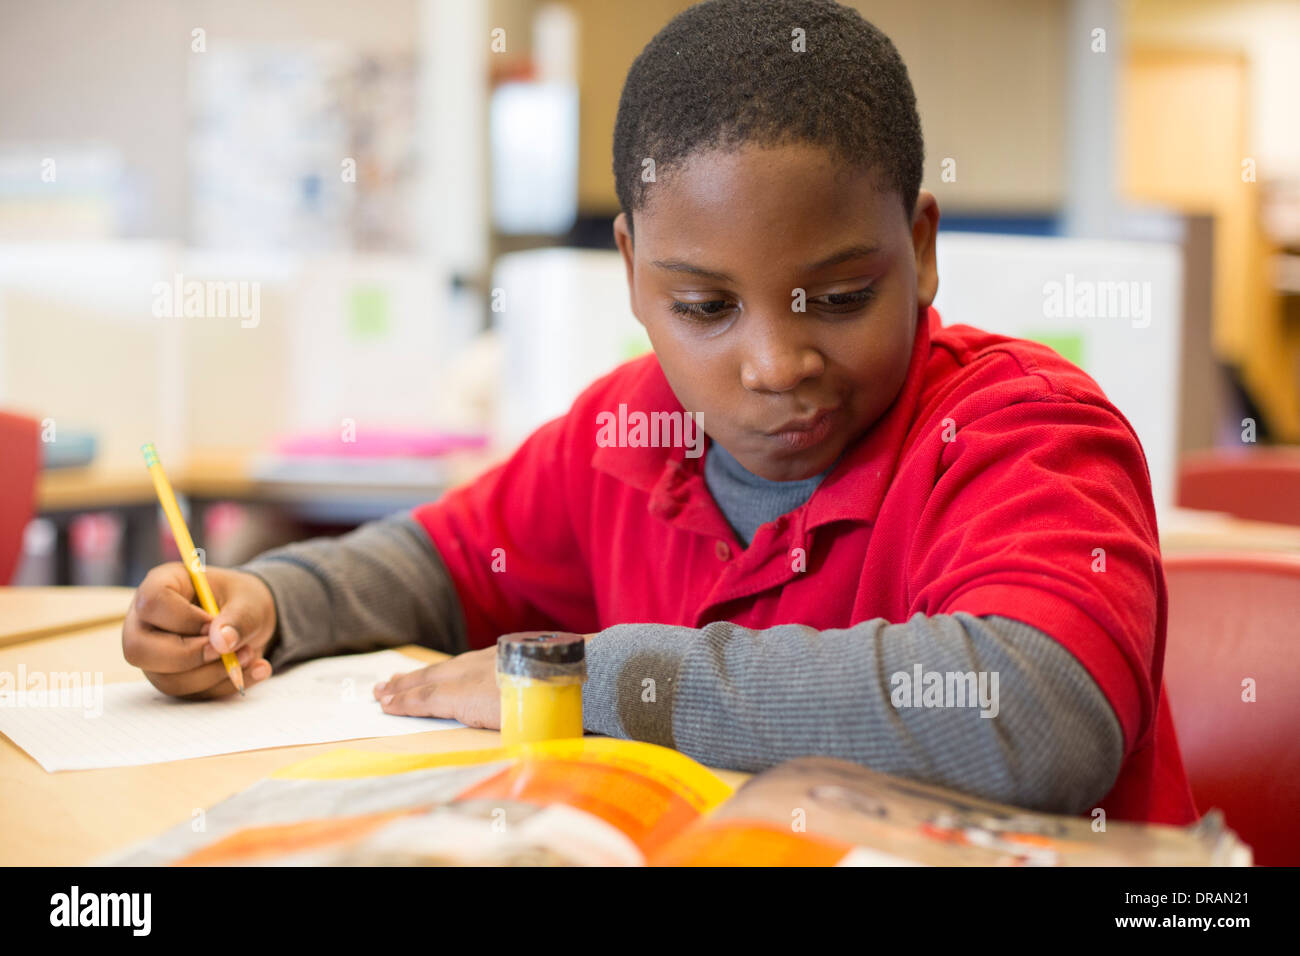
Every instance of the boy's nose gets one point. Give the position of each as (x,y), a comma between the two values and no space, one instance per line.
(774,364)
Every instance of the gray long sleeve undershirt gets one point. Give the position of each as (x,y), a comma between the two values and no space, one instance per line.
(382,585)
(745,699)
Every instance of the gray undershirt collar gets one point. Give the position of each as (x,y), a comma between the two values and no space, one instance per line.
(748,501)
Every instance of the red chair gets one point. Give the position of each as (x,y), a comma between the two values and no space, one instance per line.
(1262,484)
(1234,617)
(20,460)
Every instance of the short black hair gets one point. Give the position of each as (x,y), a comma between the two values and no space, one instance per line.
(726,72)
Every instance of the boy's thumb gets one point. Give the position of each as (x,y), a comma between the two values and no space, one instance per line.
(231,628)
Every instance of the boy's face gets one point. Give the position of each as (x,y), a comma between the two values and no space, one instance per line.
(722,245)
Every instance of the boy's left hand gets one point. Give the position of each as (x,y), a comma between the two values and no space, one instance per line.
(463,688)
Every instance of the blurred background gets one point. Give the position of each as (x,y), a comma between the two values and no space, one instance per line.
(334,257)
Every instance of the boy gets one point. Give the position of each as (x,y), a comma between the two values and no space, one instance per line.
(889,550)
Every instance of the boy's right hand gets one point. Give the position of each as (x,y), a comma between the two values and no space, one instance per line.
(178,645)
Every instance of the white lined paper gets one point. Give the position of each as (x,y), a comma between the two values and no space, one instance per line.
(315,702)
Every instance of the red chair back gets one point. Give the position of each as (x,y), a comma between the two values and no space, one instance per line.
(1261,484)
(1234,632)
(20,460)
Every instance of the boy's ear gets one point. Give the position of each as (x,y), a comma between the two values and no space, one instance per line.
(623,239)
(925,225)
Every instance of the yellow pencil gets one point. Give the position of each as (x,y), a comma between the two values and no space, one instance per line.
(185,544)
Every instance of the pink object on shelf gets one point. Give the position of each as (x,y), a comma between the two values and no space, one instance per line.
(94,536)
(382,444)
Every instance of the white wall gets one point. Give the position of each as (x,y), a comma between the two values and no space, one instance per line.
(78,71)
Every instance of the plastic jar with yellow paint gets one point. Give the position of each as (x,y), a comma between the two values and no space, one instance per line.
(540,676)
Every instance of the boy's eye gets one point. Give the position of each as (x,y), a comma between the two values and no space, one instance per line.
(699,310)
(846,301)
(834,302)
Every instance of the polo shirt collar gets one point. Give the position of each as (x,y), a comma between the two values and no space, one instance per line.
(851,492)
(645,467)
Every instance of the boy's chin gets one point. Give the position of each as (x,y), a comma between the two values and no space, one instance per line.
(797,465)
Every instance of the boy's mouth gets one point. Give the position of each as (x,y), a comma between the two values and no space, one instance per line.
(804,433)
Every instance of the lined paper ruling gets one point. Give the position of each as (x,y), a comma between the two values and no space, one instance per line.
(134,723)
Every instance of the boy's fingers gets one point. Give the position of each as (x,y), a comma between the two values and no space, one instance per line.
(174,575)
(235,626)
(162,602)
(157,630)
(153,649)
(429,700)
(411,679)
(165,653)
(254,673)
(222,639)
(199,681)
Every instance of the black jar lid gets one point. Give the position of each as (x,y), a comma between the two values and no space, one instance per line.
(537,652)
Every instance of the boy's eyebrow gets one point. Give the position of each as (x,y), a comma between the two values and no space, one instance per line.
(844,255)
(677,265)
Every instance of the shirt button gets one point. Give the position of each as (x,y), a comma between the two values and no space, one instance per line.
(722,550)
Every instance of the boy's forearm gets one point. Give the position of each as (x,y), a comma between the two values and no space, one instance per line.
(382,585)
(747,699)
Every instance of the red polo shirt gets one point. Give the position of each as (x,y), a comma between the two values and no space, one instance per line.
(1001,481)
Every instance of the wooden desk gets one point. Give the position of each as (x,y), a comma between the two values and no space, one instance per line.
(92,487)
(1184,529)
(30,613)
(75,817)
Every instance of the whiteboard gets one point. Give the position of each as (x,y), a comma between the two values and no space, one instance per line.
(1071,293)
